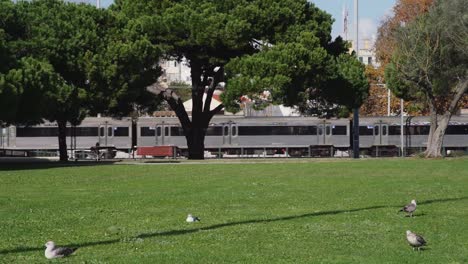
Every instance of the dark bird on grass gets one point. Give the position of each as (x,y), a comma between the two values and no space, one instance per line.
(52,252)
(191,219)
(409,208)
(415,240)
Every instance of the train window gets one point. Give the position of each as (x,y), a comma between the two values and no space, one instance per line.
(234,131)
(121,131)
(166,131)
(85,131)
(214,131)
(394,130)
(147,131)
(109,131)
(457,130)
(36,131)
(384,130)
(339,130)
(276,130)
(226,130)
(327,130)
(366,130)
(320,130)
(280,130)
(304,130)
(419,130)
(101,131)
(376,130)
(158,131)
(177,131)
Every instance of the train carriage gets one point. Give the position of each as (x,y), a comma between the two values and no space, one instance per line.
(242,136)
(105,131)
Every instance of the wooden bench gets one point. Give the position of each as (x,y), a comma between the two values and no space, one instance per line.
(158,151)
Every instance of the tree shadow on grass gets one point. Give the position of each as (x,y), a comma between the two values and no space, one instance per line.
(41,163)
(34,164)
(217,226)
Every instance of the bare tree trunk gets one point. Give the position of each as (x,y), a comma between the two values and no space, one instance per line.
(439,123)
(436,137)
(62,138)
(196,143)
(195,129)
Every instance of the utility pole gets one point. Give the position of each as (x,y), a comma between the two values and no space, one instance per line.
(402,141)
(356,109)
(98,3)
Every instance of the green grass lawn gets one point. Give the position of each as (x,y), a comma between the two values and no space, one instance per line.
(301,211)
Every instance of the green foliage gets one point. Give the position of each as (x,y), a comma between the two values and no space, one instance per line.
(184,91)
(39,92)
(349,85)
(100,65)
(281,211)
(280,46)
(10,29)
(431,57)
(296,73)
(284,69)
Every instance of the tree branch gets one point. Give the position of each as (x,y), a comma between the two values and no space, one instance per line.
(174,101)
(216,110)
(209,94)
(462,88)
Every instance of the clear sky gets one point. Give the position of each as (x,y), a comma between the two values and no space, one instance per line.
(371,12)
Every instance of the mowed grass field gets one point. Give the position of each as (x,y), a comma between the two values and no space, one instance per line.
(295,211)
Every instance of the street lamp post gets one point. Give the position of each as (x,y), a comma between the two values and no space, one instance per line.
(402,141)
(356,109)
(389,94)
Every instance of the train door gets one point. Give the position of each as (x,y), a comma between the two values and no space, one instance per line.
(380,134)
(3,137)
(163,134)
(324,133)
(230,134)
(106,134)
(7,137)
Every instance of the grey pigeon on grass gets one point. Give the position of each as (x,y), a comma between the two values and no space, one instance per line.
(191,219)
(415,240)
(52,252)
(409,208)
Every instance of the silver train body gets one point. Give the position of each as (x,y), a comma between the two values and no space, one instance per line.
(241,136)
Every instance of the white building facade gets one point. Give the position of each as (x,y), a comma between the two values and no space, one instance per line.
(176,71)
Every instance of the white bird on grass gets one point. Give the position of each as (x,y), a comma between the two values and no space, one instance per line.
(415,240)
(409,208)
(52,252)
(191,219)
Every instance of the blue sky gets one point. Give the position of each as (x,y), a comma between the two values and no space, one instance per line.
(371,12)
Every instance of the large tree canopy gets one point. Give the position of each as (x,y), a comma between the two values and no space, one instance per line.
(430,64)
(75,59)
(404,11)
(283,46)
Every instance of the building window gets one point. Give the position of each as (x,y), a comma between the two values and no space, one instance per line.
(360,59)
(369,60)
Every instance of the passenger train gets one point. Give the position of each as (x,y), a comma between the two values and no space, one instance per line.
(237,136)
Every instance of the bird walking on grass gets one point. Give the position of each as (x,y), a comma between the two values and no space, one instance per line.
(415,240)
(52,252)
(191,219)
(409,208)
